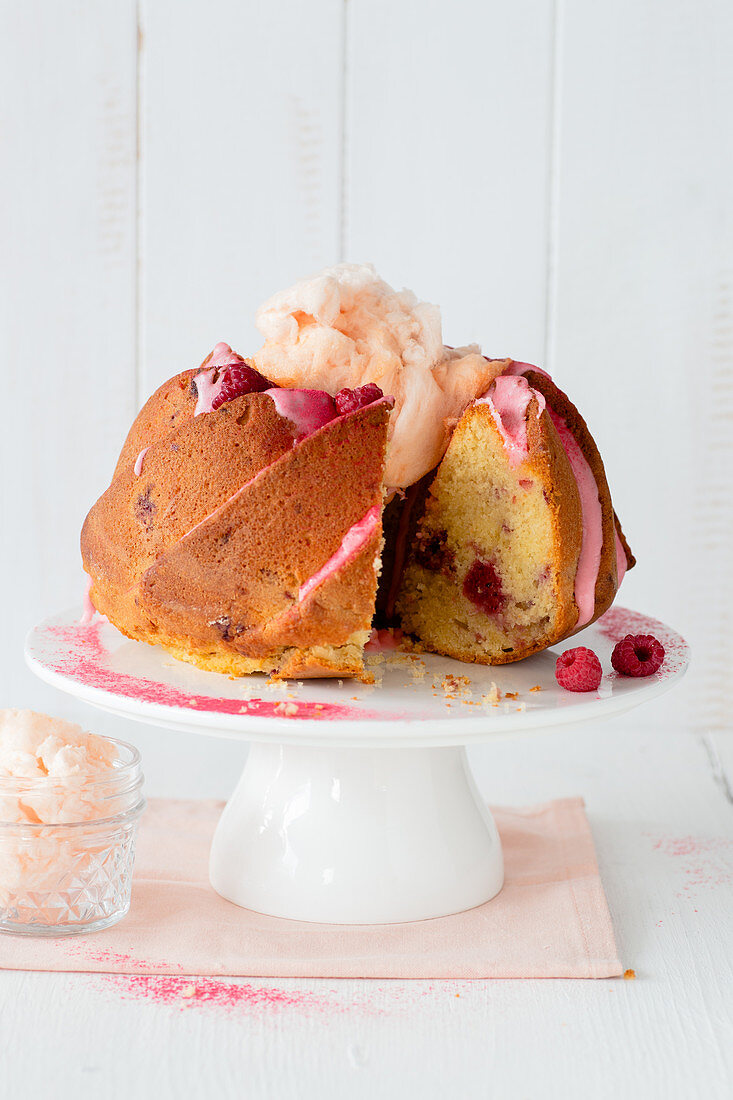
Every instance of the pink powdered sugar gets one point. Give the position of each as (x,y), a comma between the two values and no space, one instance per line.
(86,660)
(617,622)
(182,992)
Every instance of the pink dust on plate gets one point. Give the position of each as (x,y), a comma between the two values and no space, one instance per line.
(83,657)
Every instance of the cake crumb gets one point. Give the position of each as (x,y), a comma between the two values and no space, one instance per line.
(491,697)
(279,685)
(455,686)
(288,709)
(537,687)
(511,695)
(629,975)
(188,991)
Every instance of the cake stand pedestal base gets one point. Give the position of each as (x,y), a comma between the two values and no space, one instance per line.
(356,835)
(356,806)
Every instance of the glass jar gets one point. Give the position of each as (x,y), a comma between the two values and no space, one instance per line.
(67,848)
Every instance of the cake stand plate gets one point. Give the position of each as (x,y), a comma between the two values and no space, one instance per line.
(356,804)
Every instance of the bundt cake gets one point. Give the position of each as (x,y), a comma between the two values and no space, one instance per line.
(243,528)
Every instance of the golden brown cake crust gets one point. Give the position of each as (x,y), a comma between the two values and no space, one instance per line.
(205,550)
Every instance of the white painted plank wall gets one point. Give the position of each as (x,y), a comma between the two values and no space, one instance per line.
(641,324)
(240,170)
(67,299)
(448,145)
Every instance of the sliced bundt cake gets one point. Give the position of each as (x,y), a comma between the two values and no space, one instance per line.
(242,528)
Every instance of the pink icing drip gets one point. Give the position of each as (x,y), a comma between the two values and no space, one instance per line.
(89,609)
(509,399)
(138,468)
(222,356)
(309,410)
(356,537)
(621,563)
(589,561)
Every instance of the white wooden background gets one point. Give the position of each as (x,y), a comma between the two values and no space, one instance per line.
(558,175)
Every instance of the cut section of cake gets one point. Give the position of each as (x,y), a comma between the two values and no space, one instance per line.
(242,529)
(516,545)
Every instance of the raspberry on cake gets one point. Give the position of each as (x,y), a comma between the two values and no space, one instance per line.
(245,527)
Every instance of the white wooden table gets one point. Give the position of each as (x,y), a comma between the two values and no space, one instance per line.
(659,802)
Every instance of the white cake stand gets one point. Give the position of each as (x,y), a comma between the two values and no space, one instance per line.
(356,804)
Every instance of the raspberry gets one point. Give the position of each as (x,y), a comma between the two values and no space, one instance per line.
(348,401)
(432,553)
(482,587)
(637,655)
(578,670)
(237,380)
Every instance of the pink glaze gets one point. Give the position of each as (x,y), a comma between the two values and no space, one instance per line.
(354,539)
(138,467)
(207,388)
(589,561)
(89,609)
(621,563)
(309,410)
(382,641)
(509,398)
(516,367)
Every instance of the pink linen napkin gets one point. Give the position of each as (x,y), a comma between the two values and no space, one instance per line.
(551,920)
